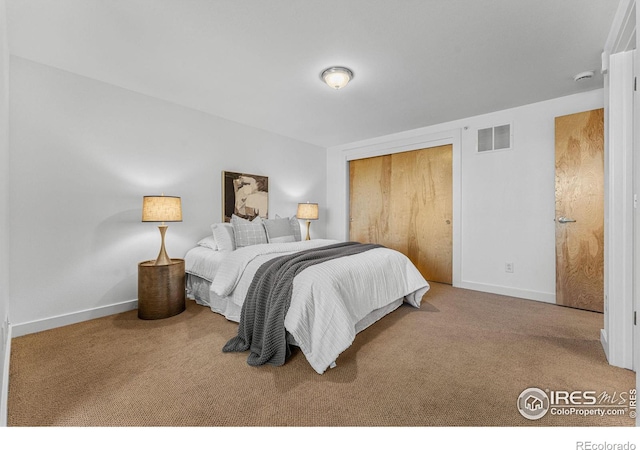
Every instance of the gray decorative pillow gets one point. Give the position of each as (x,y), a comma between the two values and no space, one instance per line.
(295,227)
(282,239)
(248,232)
(278,230)
(223,234)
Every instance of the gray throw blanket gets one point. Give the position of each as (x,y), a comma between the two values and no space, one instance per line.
(261,328)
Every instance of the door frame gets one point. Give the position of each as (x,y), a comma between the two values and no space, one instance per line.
(622,246)
(418,142)
(617,336)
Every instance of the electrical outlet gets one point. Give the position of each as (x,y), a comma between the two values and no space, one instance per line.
(508,267)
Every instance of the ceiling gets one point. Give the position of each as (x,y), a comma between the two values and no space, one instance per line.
(258,62)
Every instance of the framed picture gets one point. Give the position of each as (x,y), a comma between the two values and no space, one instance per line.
(244,195)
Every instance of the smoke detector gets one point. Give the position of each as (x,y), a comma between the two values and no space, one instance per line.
(583,76)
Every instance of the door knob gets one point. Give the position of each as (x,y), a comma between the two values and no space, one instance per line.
(565,220)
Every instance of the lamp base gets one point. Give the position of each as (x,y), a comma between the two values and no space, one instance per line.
(308,226)
(162,259)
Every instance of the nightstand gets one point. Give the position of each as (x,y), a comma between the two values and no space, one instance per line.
(161,289)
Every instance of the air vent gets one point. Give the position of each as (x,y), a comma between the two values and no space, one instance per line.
(494,138)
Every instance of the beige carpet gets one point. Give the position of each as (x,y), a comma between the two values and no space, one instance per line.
(461,360)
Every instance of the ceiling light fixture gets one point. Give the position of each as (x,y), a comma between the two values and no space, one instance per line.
(337,77)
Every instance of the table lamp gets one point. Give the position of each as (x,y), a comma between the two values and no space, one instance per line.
(161,209)
(307,211)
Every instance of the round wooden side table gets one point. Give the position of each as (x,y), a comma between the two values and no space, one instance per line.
(161,289)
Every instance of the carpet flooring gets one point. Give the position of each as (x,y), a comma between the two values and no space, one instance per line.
(462,359)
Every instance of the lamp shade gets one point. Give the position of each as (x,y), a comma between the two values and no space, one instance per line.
(307,211)
(162,208)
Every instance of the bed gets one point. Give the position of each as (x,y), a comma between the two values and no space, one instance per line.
(330,302)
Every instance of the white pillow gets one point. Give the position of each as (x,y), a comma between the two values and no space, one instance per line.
(223,234)
(248,232)
(209,242)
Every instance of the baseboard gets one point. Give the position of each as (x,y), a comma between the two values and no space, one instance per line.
(545,297)
(4,381)
(21,329)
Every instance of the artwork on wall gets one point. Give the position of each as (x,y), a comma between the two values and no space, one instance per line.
(244,195)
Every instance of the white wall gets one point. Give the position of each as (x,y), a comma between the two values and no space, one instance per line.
(83,153)
(4,213)
(506,199)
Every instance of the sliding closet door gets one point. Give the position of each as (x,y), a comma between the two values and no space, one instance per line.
(404,201)
(369,185)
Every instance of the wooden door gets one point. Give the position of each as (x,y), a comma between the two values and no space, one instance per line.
(404,201)
(580,210)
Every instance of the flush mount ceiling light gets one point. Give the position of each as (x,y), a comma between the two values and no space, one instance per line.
(337,77)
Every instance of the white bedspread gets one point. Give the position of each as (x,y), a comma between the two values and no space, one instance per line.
(203,262)
(330,298)
(238,263)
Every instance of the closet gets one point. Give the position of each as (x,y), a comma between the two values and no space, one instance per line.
(404,201)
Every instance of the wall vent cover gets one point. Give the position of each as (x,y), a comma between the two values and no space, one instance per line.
(494,138)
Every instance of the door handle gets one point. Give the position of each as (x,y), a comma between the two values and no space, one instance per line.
(565,220)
